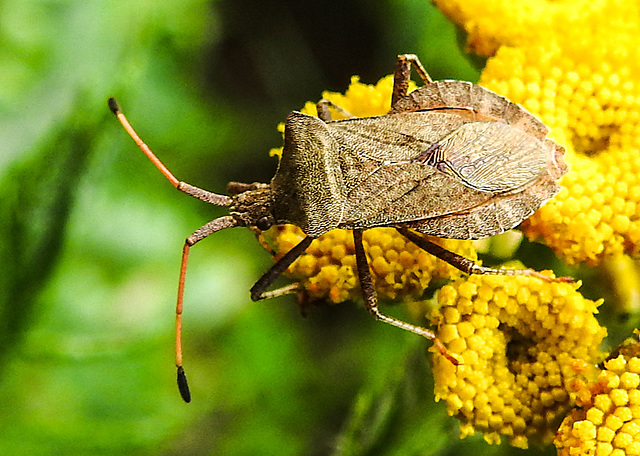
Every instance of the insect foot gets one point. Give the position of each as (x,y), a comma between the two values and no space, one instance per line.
(450,159)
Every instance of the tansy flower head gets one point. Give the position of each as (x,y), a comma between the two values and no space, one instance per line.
(607,420)
(574,64)
(521,343)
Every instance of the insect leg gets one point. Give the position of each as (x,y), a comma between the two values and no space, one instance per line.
(323,110)
(371,300)
(402,75)
(467,266)
(259,290)
(235,188)
(215,225)
(201,194)
(287,289)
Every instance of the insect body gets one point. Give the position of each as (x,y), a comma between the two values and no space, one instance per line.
(450,159)
(480,179)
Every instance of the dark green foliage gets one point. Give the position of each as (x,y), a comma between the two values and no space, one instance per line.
(37,195)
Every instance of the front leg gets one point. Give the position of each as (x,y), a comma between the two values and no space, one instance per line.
(259,290)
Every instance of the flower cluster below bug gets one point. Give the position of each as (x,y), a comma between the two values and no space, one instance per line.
(522,342)
(399,268)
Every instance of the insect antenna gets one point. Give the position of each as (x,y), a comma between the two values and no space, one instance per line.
(201,233)
(213,226)
(201,194)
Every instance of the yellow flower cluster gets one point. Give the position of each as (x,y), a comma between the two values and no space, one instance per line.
(522,342)
(360,100)
(495,23)
(574,64)
(400,270)
(607,422)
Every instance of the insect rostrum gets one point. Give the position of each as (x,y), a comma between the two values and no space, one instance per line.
(450,159)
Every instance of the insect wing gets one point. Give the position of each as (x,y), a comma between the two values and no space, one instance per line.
(384,183)
(490,156)
(428,167)
(402,192)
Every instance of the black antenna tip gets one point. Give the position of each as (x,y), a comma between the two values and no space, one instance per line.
(113,105)
(183,386)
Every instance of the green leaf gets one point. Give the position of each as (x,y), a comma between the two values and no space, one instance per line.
(36,193)
(398,416)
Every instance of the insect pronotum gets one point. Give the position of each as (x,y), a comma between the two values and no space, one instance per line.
(450,159)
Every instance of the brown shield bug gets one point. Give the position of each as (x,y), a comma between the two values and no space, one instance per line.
(450,159)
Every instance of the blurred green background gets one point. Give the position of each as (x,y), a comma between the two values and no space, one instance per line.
(92,233)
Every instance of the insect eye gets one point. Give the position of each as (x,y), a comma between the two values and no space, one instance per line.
(264,223)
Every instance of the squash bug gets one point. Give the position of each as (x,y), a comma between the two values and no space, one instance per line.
(450,159)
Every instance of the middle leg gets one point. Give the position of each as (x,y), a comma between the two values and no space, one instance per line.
(371,299)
